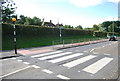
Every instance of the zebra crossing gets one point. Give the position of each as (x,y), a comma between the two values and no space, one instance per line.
(75,60)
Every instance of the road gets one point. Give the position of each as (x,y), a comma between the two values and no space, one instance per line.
(94,61)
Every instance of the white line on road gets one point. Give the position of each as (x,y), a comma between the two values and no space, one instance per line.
(37,67)
(95,67)
(13,58)
(47,71)
(26,63)
(79,61)
(63,77)
(52,56)
(65,58)
(46,54)
(19,60)
(15,72)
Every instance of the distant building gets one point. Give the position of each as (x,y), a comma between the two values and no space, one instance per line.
(47,24)
(58,25)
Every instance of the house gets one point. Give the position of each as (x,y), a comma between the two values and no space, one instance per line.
(47,24)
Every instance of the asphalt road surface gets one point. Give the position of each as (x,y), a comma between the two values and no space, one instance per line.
(94,61)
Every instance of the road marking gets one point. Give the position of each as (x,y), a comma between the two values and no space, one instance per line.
(15,71)
(13,58)
(92,50)
(79,61)
(46,54)
(78,71)
(52,56)
(95,67)
(37,67)
(26,63)
(95,53)
(65,58)
(63,77)
(19,60)
(47,71)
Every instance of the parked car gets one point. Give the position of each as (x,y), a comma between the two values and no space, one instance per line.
(113,38)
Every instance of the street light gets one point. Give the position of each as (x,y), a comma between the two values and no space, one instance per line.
(15,45)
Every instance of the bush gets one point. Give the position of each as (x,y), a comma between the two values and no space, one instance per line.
(29,30)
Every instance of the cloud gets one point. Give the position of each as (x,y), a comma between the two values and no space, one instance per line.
(85,3)
(88,3)
(115,1)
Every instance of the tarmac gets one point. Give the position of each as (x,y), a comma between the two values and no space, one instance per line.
(35,50)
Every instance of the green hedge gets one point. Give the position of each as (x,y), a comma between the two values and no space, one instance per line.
(7,29)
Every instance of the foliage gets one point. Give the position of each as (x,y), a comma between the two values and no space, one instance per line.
(96,27)
(29,21)
(67,26)
(79,27)
(8,9)
(107,25)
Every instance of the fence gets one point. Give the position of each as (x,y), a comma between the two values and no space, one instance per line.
(57,44)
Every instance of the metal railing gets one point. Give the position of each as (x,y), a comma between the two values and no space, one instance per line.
(57,44)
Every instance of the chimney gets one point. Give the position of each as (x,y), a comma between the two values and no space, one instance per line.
(50,21)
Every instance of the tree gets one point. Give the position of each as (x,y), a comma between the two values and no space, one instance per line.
(106,24)
(8,9)
(22,20)
(29,21)
(96,27)
(67,26)
(79,27)
(36,21)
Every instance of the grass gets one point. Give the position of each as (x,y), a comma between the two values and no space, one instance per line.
(36,41)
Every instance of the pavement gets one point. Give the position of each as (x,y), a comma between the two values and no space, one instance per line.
(28,51)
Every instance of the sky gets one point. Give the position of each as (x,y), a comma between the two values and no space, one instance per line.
(70,12)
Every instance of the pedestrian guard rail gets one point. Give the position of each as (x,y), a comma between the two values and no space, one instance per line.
(61,44)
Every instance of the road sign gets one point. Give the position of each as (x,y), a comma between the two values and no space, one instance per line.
(60,28)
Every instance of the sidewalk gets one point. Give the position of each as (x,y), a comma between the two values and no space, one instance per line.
(27,51)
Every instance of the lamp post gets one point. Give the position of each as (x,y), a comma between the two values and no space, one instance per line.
(15,45)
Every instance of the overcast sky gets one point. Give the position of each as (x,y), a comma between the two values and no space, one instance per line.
(70,12)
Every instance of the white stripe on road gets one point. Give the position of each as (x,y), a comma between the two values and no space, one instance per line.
(35,66)
(19,60)
(63,77)
(79,61)
(65,58)
(95,67)
(26,63)
(46,54)
(47,71)
(15,72)
(52,56)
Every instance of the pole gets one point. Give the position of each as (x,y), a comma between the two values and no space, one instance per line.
(15,45)
(60,35)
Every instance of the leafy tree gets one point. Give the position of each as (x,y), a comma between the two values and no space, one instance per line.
(67,26)
(29,21)
(36,21)
(22,20)
(8,9)
(79,27)
(106,24)
(96,27)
